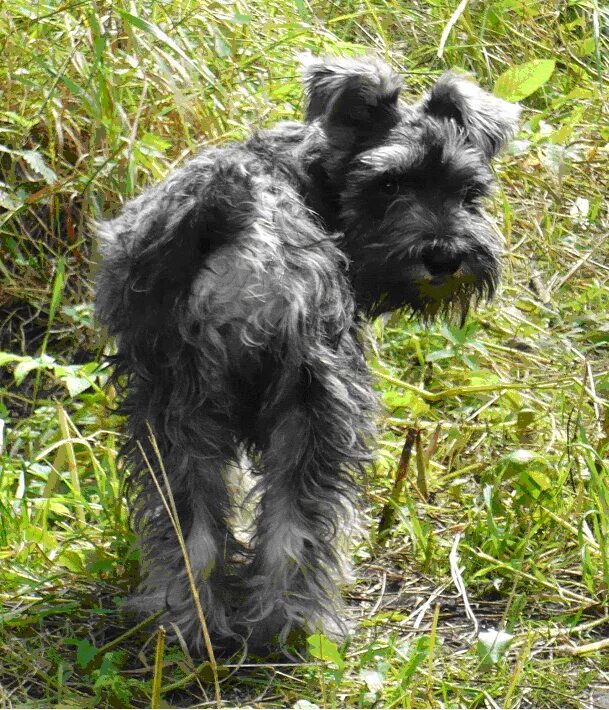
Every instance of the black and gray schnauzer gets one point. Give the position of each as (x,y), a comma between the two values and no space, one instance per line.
(236,289)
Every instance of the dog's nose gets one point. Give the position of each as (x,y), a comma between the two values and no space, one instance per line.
(440,261)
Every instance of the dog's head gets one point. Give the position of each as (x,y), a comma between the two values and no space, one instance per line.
(408,182)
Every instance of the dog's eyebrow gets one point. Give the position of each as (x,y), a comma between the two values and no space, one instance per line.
(394,157)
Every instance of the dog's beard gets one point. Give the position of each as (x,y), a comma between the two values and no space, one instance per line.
(456,303)
(454,306)
(391,279)
(451,297)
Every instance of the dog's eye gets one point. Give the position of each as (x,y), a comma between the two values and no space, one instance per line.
(390,186)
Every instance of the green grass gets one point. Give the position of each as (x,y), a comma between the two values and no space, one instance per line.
(504,507)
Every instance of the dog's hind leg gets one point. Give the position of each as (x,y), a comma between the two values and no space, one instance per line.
(202,505)
(314,435)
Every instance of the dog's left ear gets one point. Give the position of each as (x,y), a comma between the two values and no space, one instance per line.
(488,121)
(356,99)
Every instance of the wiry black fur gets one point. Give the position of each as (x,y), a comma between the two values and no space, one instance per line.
(235,288)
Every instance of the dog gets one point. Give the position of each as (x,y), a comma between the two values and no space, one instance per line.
(236,290)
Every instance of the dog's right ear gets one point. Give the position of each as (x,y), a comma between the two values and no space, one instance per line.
(488,122)
(356,99)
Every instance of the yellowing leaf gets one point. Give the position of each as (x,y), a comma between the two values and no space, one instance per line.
(522,80)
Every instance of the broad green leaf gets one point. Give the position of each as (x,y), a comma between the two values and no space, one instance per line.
(85,653)
(534,483)
(324,649)
(522,80)
(158,144)
(408,400)
(72,561)
(540,480)
(531,7)
(76,385)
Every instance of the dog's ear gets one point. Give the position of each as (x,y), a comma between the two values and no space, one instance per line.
(488,121)
(356,99)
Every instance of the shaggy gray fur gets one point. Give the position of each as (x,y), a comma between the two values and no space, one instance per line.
(235,289)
